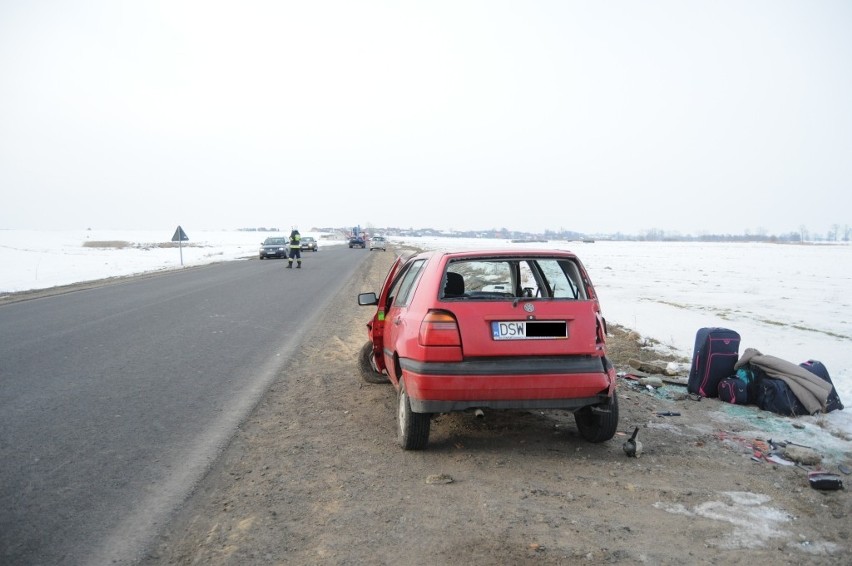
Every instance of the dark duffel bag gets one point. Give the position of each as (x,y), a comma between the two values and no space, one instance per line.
(776,396)
(716,351)
(733,390)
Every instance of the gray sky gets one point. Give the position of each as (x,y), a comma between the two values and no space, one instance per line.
(685,116)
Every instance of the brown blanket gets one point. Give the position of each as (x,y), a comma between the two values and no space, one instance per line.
(810,389)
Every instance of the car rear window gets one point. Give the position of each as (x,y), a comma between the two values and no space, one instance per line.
(550,278)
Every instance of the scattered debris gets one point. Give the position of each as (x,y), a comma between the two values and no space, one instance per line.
(632,447)
(801,454)
(825,480)
(437,479)
(668,414)
(647,367)
(776,459)
(656,368)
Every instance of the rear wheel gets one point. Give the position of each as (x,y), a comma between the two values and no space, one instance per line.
(413,427)
(367,365)
(598,426)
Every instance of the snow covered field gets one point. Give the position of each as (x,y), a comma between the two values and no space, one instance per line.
(788,301)
(43,259)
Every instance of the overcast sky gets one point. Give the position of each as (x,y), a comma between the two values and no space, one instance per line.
(683,116)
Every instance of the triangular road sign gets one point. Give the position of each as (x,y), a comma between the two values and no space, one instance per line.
(180,235)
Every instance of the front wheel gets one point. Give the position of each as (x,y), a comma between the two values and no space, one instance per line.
(413,427)
(598,426)
(367,365)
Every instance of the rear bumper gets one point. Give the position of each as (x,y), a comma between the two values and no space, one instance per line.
(518,383)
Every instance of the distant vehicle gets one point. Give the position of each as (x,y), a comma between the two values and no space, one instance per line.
(357,242)
(378,243)
(490,329)
(274,247)
(308,243)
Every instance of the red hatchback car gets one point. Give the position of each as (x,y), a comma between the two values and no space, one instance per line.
(500,329)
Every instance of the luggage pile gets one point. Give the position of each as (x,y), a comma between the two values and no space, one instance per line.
(771,383)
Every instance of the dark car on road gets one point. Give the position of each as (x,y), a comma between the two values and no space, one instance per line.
(357,242)
(308,243)
(274,247)
(498,329)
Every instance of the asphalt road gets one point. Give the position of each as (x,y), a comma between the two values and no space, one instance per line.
(115,400)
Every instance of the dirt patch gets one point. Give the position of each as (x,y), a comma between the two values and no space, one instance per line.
(314,476)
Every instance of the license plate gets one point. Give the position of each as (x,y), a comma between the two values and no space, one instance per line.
(528,330)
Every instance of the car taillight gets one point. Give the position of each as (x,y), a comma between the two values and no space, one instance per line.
(439,328)
(600,331)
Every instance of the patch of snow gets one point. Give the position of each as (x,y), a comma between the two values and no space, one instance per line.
(754,521)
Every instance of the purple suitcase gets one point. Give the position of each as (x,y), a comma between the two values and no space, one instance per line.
(716,351)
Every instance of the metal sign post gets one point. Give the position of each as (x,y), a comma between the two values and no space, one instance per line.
(180,237)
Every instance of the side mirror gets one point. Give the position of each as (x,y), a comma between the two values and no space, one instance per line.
(367,299)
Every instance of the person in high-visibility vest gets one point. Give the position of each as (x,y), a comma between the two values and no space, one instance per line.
(295,249)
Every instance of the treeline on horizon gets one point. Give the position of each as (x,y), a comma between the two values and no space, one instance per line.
(653,235)
(835,234)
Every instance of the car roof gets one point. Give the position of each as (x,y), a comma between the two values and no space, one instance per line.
(497,253)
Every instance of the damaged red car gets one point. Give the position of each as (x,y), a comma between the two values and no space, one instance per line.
(499,329)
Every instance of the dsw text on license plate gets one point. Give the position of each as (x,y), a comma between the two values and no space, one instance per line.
(522,330)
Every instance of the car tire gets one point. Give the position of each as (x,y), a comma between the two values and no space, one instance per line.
(413,428)
(368,367)
(598,427)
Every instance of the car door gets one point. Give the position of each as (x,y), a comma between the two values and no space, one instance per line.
(396,327)
(377,324)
